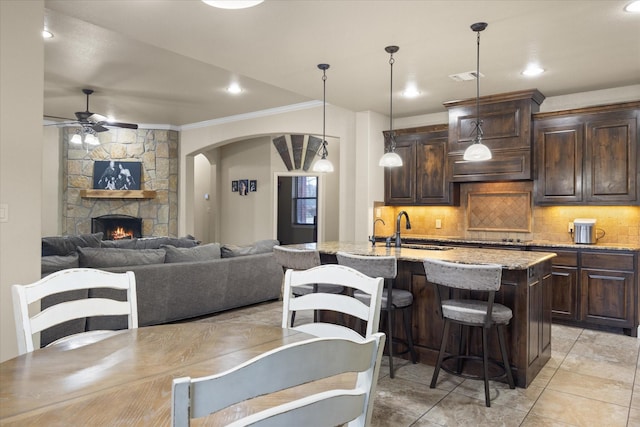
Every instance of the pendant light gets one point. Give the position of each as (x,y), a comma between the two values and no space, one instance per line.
(477,151)
(391,159)
(323,165)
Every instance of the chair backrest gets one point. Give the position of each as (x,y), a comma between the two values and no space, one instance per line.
(372,266)
(296,259)
(286,367)
(68,280)
(335,275)
(478,277)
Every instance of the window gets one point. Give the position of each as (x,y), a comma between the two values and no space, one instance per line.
(305,200)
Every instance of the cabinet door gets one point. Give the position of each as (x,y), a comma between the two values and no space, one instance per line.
(611,163)
(400,182)
(607,297)
(433,187)
(558,154)
(565,293)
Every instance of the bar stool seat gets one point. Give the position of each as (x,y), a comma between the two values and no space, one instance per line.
(400,299)
(303,259)
(480,282)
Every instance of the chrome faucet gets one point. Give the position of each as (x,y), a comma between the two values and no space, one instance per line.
(408,226)
(372,239)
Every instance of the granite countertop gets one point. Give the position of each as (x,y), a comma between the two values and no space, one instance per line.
(509,260)
(522,244)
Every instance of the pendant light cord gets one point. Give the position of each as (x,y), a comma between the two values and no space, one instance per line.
(478,121)
(324,112)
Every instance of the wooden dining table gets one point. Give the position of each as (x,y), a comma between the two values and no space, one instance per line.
(126,379)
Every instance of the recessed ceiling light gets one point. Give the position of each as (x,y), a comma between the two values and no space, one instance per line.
(410,92)
(234,88)
(47,34)
(633,7)
(533,70)
(232,4)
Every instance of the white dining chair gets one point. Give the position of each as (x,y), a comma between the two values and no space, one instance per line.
(343,304)
(70,280)
(280,369)
(303,259)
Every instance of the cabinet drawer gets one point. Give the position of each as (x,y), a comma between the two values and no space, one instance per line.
(568,258)
(565,258)
(608,261)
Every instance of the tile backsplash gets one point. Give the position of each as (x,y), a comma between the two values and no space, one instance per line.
(620,223)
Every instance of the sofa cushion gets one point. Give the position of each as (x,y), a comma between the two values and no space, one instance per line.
(67,245)
(114,257)
(150,243)
(196,253)
(259,247)
(52,263)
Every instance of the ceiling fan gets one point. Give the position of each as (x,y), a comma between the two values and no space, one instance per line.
(92,121)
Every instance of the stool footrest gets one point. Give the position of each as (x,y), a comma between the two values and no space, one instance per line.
(444,367)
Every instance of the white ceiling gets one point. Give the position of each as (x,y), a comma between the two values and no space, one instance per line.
(170,61)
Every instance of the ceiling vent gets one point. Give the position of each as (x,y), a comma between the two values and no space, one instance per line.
(465,77)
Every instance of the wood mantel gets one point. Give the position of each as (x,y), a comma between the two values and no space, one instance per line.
(118,194)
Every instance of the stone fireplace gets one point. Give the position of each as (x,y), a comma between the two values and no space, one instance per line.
(156,150)
(116,227)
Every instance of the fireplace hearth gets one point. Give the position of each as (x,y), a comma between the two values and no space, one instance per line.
(116,227)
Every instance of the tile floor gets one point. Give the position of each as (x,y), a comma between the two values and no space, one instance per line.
(592,379)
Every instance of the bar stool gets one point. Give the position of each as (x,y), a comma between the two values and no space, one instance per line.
(303,259)
(482,280)
(392,299)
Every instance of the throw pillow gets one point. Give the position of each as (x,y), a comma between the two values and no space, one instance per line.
(196,253)
(116,257)
(120,243)
(66,245)
(52,263)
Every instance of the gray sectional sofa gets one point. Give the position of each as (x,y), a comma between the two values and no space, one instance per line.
(176,279)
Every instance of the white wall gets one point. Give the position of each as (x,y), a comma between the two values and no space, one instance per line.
(340,218)
(203,208)
(21,105)
(245,219)
(51,181)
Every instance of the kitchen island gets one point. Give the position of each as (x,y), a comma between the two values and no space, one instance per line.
(526,289)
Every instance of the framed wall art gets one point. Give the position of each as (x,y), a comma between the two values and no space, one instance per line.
(116,175)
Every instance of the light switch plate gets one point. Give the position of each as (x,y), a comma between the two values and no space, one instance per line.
(4,212)
(438,223)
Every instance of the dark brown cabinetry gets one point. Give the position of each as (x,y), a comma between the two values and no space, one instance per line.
(422,178)
(588,156)
(506,124)
(607,289)
(595,288)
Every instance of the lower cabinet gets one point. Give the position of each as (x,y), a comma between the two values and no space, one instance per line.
(595,288)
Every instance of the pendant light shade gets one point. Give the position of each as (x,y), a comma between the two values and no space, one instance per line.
(391,159)
(323,165)
(477,151)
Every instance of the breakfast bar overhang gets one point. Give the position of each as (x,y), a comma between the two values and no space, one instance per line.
(526,289)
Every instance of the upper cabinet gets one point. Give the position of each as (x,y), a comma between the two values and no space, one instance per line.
(588,156)
(506,124)
(422,178)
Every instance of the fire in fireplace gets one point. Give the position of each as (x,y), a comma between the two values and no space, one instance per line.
(116,227)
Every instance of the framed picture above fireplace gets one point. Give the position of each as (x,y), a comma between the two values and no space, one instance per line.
(116,175)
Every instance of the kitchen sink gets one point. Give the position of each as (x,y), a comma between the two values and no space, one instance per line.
(427,247)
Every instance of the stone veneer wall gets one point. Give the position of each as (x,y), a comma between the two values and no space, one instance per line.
(158,152)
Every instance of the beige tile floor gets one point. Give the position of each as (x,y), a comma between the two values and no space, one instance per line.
(592,379)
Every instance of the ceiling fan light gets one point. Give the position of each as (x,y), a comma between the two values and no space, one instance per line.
(390,160)
(323,165)
(477,152)
(91,139)
(76,139)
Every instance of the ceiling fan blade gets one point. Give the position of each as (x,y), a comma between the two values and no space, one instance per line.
(58,117)
(99,128)
(97,118)
(122,125)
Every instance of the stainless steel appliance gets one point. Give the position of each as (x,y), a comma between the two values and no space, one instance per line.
(585,231)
